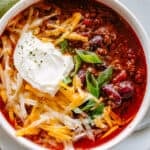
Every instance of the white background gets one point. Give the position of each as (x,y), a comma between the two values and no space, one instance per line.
(139,140)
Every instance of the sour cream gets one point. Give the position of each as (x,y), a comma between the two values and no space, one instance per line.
(41,64)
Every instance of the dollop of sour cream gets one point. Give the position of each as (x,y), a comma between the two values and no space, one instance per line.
(41,64)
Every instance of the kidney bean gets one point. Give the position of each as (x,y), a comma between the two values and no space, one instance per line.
(120,77)
(126,89)
(110,91)
(82,75)
(96,41)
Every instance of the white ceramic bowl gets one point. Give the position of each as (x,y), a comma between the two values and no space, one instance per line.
(142,36)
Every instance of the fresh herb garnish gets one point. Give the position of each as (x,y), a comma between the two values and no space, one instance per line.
(92,108)
(77,62)
(105,76)
(67,80)
(89,57)
(92,84)
(88,105)
(98,111)
(64,46)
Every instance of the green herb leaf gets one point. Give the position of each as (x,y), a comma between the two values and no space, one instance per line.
(92,84)
(105,76)
(88,57)
(64,46)
(88,105)
(94,80)
(98,111)
(77,62)
(92,108)
(67,80)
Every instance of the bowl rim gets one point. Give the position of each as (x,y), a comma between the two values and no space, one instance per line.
(122,10)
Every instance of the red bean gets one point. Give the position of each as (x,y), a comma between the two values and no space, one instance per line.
(110,91)
(82,75)
(120,77)
(126,89)
(96,41)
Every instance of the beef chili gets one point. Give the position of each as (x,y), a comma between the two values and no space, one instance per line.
(109,68)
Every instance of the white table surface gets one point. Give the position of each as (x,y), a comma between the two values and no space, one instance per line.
(138,140)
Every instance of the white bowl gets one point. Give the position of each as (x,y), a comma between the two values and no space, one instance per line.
(142,36)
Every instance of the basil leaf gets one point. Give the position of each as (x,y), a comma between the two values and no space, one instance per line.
(88,57)
(105,76)
(88,105)
(77,62)
(98,111)
(92,85)
(67,80)
(64,46)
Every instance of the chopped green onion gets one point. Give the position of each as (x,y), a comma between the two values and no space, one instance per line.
(67,80)
(64,46)
(88,105)
(77,62)
(89,57)
(98,111)
(93,80)
(105,76)
(92,84)
(92,108)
